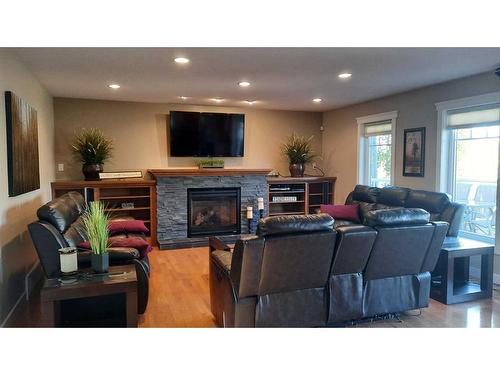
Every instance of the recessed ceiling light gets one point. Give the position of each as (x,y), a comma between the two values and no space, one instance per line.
(218,100)
(317,100)
(345,75)
(244,83)
(250,102)
(181,60)
(114,86)
(183,97)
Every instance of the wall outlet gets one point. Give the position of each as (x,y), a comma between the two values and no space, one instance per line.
(60,167)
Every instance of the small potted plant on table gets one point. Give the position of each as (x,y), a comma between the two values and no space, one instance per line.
(96,222)
(298,150)
(92,148)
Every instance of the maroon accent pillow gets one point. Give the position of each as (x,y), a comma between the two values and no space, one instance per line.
(127,226)
(341,211)
(134,242)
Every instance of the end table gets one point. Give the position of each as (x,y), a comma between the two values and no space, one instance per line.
(451,281)
(119,280)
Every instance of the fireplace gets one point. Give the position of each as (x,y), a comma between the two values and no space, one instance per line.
(214,211)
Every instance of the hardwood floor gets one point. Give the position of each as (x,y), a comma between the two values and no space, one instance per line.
(179,293)
(179,297)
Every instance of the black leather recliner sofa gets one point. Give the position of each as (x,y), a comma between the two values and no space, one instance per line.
(300,272)
(437,204)
(60,225)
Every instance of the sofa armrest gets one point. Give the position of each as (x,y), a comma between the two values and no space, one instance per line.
(215,243)
(453,214)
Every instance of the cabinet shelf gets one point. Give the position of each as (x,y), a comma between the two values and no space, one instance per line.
(286,213)
(287,191)
(128,209)
(310,192)
(115,192)
(287,202)
(125,197)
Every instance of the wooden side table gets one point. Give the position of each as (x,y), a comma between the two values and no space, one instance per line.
(451,281)
(119,280)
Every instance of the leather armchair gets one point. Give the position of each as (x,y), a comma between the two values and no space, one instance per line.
(60,225)
(275,279)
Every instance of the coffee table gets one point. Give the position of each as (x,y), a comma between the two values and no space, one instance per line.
(119,280)
(451,282)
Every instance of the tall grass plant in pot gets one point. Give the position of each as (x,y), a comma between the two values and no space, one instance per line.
(298,150)
(96,225)
(92,148)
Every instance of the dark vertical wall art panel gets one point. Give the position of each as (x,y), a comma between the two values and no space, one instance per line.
(22,145)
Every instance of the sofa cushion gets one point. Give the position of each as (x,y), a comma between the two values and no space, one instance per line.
(397,216)
(365,194)
(393,196)
(127,226)
(60,212)
(294,224)
(342,211)
(137,243)
(428,200)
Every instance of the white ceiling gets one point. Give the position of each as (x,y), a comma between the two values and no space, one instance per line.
(281,78)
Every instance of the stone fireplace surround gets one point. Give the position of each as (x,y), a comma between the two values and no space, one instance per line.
(172,199)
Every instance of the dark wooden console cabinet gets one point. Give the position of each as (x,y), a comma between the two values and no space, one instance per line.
(142,193)
(299,196)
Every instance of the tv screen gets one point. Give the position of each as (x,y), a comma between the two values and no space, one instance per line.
(204,134)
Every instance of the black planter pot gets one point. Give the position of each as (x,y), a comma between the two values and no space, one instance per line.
(91,171)
(100,262)
(296,170)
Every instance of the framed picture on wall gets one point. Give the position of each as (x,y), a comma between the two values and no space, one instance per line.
(414,152)
(22,145)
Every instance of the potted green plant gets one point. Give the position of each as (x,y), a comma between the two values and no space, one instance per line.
(92,148)
(298,150)
(96,221)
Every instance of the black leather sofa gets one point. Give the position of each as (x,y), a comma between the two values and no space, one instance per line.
(60,225)
(437,204)
(298,271)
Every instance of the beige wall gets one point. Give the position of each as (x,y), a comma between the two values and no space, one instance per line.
(416,109)
(17,254)
(139,132)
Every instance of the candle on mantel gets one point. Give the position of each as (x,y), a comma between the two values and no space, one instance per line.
(249,212)
(260,203)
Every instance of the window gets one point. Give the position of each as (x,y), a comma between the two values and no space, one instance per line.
(474,135)
(376,156)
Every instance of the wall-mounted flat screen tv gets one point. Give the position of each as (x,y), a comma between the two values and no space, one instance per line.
(204,134)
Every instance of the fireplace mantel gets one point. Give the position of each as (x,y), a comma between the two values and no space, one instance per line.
(179,172)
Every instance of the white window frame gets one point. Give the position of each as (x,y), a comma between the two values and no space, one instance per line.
(444,149)
(362,145)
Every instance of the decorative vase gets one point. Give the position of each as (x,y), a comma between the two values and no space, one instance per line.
(100,262)
(91,171)
(296,170)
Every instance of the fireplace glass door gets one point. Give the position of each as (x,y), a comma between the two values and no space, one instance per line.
(214,211)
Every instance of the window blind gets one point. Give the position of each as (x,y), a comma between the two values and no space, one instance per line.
(487,115)
(378,128)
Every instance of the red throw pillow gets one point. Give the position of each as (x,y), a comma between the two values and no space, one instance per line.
(341,211)
(127,226)
(134,242)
